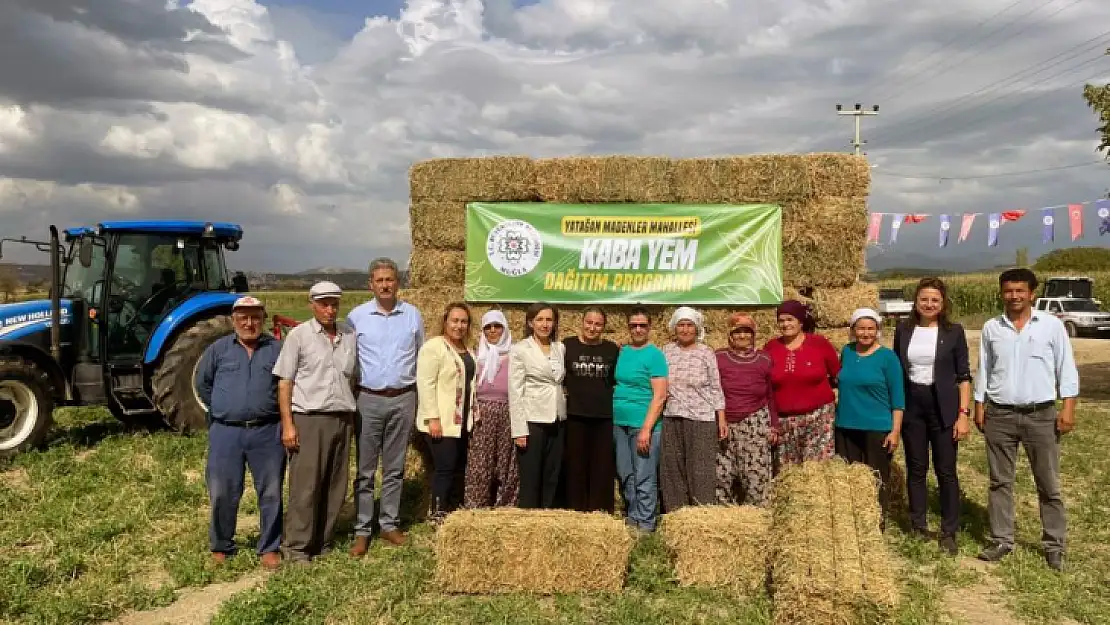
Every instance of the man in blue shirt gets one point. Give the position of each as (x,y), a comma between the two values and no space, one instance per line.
(389,333)
(235,380)
(1025,361)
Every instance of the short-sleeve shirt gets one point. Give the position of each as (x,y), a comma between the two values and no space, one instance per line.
(589,378)
(632,395)
(870,390)
(321,368)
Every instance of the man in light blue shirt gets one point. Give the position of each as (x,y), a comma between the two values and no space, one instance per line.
(1025,363)
(389,333)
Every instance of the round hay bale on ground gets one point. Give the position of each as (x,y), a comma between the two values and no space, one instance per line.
(507,550)
(834,307)
(436,268)
(438,224)
(719,546)
(838,174)
(479,179)
(773,178)
(642,179)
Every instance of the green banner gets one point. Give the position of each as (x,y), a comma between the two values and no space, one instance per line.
(624,253)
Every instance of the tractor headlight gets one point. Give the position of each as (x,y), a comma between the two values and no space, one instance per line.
(209,229)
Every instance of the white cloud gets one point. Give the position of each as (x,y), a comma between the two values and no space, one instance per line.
(225,110)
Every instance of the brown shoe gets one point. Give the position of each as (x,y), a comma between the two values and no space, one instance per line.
(394,537)
(362,543)
(271,560)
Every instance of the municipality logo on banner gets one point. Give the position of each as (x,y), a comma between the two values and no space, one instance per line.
(519,252)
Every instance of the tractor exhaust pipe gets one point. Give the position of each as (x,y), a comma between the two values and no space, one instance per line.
(55,296)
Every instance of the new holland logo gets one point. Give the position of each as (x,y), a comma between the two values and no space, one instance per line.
(514,247)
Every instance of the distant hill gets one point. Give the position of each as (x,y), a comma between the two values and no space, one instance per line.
(29,274)
(327,271)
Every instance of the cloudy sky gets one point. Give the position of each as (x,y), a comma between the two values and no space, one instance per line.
(299,119)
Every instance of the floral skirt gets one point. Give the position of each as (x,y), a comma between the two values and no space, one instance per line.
(492,472)
(806,436)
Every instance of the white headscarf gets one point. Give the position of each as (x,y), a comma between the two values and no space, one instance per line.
(685,313)
(490,356)
(865,313)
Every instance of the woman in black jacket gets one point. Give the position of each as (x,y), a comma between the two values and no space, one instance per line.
(933,352)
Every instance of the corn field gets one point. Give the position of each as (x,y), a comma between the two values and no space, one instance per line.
(976,295)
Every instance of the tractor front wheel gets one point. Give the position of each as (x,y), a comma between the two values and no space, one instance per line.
(175,392)
(26,406)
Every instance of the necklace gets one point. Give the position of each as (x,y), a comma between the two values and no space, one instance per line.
(741,358)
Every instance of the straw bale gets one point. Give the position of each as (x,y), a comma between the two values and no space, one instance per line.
(719,546)
(824,241)
(899,504)
(539,551)
(429,267)
(416,497)
(834,307)
(605,179)
(480,179)
(438,225)
(838,174)
(829,561)
(738,179)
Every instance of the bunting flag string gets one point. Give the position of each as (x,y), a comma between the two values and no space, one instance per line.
(995,221)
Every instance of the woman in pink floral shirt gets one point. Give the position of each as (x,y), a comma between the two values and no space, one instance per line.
(694,417)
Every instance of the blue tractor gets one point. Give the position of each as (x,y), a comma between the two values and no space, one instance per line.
(133,305)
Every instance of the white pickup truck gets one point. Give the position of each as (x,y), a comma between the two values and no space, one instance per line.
(893,304)
(1071,300)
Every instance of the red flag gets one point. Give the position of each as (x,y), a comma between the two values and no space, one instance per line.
(1012,215)
(1075,214)
(873,227)
(914,219)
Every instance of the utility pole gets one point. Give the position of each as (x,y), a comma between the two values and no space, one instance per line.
(858,112)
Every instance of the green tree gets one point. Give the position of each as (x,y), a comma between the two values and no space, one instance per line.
(1098,98)
(1075,259)
(9,283)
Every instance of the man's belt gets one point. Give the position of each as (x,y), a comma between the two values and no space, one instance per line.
(388,392)
(1024,408)
(248,423)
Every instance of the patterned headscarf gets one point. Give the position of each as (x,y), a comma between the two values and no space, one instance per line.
(685,313)
(490,355)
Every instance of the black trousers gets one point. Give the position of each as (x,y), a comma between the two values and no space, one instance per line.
(591,466)
(540,463)
(866,446)
(449,460)
(922,431)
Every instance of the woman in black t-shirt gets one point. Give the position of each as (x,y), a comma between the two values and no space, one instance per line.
(589,460)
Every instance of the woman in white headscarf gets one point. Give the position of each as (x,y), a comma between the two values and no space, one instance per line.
(694,417)
(492,472)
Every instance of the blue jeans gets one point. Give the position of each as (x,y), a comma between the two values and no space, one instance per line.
(638,476)
(230,451)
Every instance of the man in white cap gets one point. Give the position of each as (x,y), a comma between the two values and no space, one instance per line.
(235,381)
(318,371)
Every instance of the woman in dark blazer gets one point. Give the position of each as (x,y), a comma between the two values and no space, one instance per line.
(933,352)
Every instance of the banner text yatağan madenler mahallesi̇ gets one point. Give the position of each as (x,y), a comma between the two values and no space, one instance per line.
(630,254)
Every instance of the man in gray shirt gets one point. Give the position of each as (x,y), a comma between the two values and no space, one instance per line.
(318,372)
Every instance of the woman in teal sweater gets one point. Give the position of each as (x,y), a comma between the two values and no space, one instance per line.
(871,400)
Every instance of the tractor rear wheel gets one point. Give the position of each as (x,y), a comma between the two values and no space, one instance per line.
(26,406)
(175,392)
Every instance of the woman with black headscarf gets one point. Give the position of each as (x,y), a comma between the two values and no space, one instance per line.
(804,371)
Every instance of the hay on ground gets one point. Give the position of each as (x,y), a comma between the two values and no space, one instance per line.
(481,179)
(438,225)
(824,241)
(772,178)
(834,307)
(539,551)
(605,179)
(899,504)
(838,174)
(829,562)
(416,498)
(436,268)
(719,546)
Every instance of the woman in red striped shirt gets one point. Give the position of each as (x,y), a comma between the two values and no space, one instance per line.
(804,371)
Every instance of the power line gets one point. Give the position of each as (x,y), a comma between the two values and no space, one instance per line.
(944,67)
(876,82)
(1014,78)
(894,174)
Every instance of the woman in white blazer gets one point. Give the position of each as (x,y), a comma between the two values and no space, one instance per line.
(537,405)
(445,414)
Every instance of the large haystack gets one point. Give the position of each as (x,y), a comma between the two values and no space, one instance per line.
(829,563)
(506,550)
(822,195)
